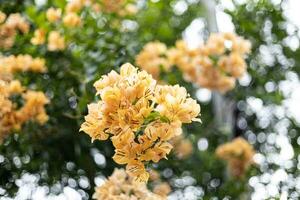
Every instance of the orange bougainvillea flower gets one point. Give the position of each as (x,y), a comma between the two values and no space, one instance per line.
(153,58)
(139,116)
(33,108)
(215,65)
(56,41)
(239,155)
(120,186)
(39,37)
(71,20)
(53,14)
(9,27)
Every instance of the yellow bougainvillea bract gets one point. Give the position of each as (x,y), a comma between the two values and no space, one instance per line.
(239,155)
(139,116)
(215,65)
(9,27)
(12,117)
(120,186)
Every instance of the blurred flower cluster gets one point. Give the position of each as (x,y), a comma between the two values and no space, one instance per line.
(153,59)
(9,27)
(14,114)
(215,65)
(183,148)
(119,7)
(122,187)
(239,155)
(159,187)
(56,17)
(139,116)
(70,17)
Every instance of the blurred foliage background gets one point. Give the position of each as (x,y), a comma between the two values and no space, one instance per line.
(56,155)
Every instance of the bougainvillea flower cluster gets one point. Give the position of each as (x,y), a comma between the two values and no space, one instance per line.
(159,186)
(223,61)
(239,155)
(9,27)
(183,148)
(139,116)
(215,65)
(12,115)
(120,186)
(153,59)
(71,17)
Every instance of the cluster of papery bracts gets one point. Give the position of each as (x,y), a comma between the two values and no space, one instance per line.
(139,116)
(9,27)
(70,17)
(239,155)
(12,115)
(122,187)
(215,65)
